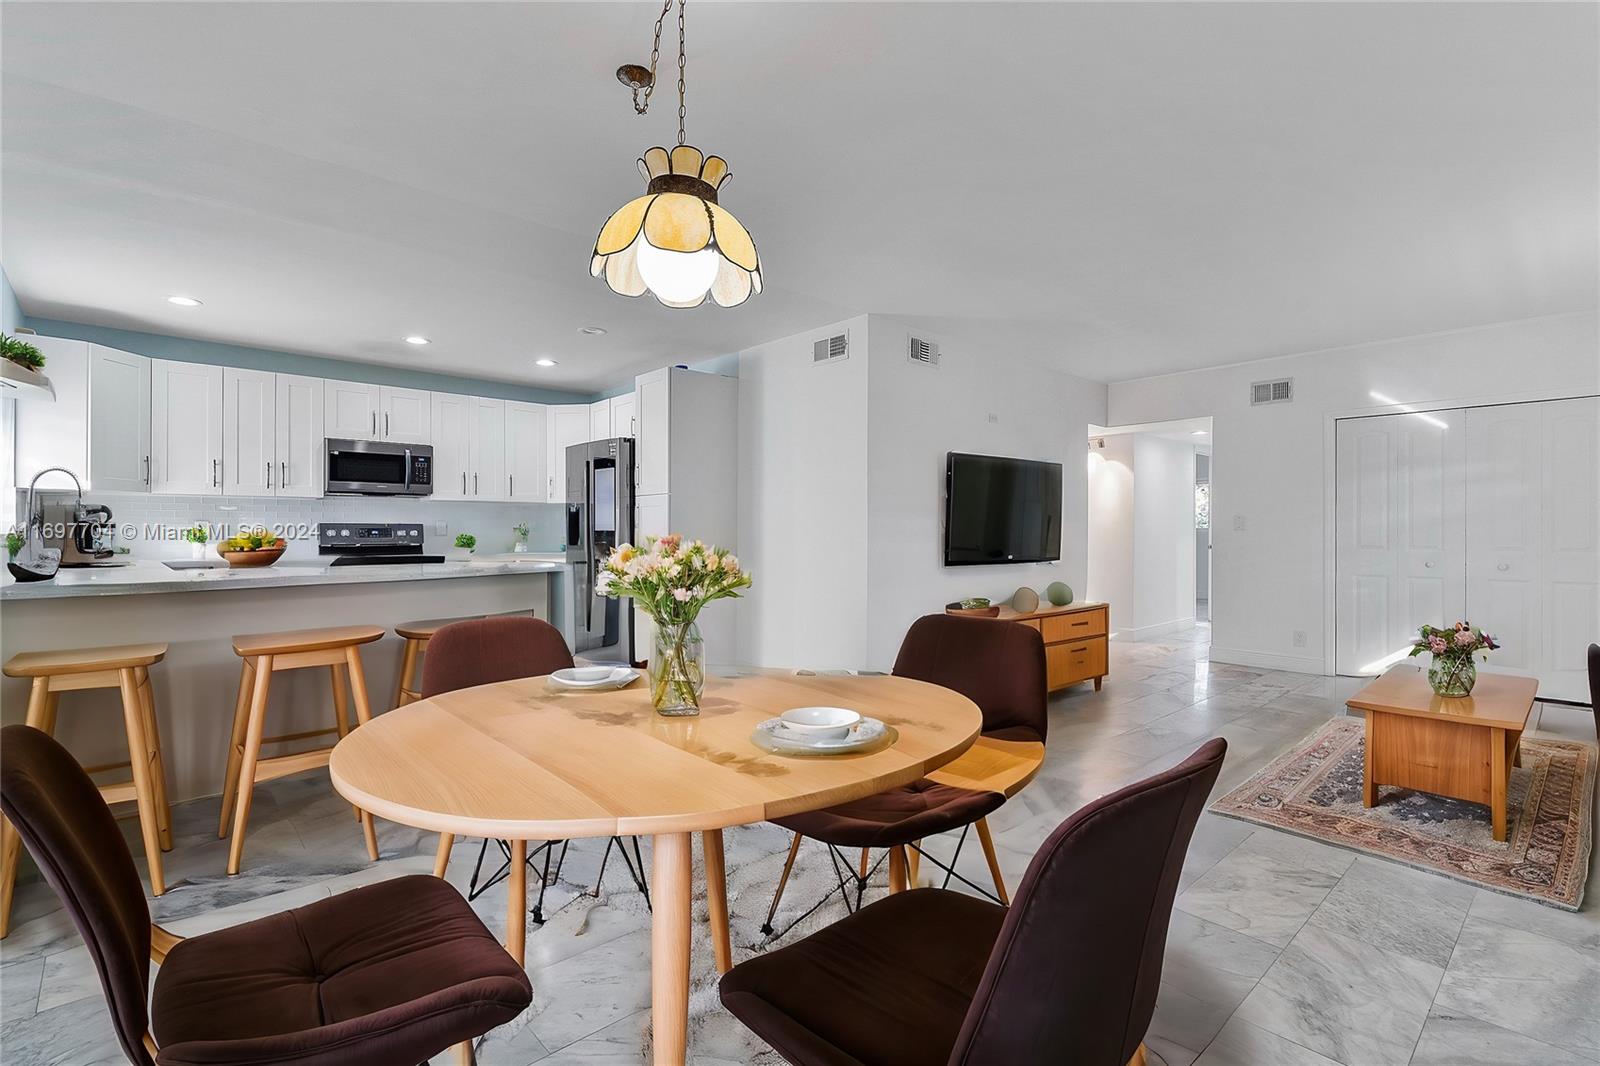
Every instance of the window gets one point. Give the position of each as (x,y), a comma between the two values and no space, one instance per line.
(1202,505)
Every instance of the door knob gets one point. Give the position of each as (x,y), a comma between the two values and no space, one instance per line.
(1503,566)
(1428,564)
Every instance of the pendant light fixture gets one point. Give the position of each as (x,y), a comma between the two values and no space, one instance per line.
(676,241)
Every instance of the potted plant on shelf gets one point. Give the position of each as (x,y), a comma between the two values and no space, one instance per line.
(196,536)
(671,581)
(21,352)
(1452,672)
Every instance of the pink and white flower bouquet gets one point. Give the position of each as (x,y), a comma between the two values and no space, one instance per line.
(672,579)
(1453,673)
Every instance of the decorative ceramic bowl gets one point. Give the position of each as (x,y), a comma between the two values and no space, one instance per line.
(972,612)
(259,557)
(820,723)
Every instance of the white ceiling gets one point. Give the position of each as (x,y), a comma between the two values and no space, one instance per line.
(1115,189)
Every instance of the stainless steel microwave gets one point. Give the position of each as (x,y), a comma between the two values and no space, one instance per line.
(378,468)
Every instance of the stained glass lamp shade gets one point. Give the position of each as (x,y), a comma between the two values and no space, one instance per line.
(676,242)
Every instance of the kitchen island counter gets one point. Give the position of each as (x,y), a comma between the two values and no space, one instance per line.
(151,576)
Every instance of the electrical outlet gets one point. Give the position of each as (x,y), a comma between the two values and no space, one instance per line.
(1299,638)
(994,419)
(1238,523)
(441,528)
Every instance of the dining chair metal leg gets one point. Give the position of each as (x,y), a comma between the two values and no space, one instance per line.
(994,861)
(788,865)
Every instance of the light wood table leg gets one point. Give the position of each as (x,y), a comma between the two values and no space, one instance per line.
(144,789)
(1369,788)
(717,898)
(255,724)
(441,858)
(158,769)
(669,947)
(517,902)
(241,721)
(1138,1058)
(10,839)
(897,869)
(993,860)
(358,690)
(1498,772)
(462,1054)
(408,663)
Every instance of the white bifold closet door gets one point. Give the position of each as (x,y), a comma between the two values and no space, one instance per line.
(1502,504)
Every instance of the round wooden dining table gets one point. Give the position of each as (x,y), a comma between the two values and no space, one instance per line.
(521,760)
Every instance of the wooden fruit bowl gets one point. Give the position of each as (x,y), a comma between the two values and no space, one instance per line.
(258,557)
(992,611)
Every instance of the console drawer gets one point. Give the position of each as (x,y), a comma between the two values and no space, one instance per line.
(1074,626)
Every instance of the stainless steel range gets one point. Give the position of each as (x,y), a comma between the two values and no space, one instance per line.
(366,544)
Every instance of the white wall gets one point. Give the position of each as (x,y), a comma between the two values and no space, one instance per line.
(1163,535)
(1269,551)
(803,503)
(916,415)
(1111,525)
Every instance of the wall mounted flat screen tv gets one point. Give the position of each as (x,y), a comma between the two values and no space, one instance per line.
(1000,510)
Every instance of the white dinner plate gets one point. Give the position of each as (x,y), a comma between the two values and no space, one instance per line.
(772,735)
(594,677)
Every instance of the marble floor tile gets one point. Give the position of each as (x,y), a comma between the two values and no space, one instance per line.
(1212,962)
(1398,909)
(1183,1024)
(582,994)
(19,990)
(1242,1044)
(78,1034)
(1344,999)
(1449,1040)
(1525,982)
(1579,930)
(1267,886)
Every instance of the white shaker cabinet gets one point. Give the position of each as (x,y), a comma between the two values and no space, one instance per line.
(351,411)
(600,420)
(118,422)
(527,437)
(652,418)
(299,437)
(569,424)
(249,433)
(405,415)
(486,449)
(622,416)
(185,428)
(450,415)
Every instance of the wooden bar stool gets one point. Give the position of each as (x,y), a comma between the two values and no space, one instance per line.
(408,689)
(126,668)
(264,654)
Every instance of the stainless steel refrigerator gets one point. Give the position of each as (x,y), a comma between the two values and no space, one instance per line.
(599,517)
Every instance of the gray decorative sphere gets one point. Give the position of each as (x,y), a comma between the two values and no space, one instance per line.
(1025,600)
(1060,593)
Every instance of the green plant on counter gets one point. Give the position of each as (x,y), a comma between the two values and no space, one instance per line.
(13,542)
(521,530)
(466,540)
(196,534)
(21,352)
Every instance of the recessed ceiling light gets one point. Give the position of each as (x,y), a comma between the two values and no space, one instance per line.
(415,339)
(544,362)
(183,301)
(593,331)
(1198,433)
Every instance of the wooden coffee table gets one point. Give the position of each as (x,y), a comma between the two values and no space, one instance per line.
(1462,748)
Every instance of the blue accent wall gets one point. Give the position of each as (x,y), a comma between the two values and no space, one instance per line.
(186,350)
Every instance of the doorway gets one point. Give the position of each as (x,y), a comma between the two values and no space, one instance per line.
(1202,534)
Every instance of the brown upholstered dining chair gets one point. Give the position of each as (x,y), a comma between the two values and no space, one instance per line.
(999,667)
(482,651)
(1068,974)
(389,973)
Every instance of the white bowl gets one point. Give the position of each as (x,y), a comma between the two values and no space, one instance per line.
(820,723)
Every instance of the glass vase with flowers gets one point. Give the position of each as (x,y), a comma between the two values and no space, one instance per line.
(1453,671)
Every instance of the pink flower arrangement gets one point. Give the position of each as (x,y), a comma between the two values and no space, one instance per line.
(671,578)
(1460,641)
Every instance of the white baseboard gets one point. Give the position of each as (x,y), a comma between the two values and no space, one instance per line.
(1266,660)
(1160,629)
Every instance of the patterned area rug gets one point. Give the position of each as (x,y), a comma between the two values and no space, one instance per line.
(1315,790)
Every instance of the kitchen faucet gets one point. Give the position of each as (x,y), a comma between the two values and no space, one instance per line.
(35,562)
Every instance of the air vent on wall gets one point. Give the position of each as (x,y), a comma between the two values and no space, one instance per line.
(829,349)
(922,351)
(1280,391)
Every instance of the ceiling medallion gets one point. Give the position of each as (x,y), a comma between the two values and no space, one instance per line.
(676,241)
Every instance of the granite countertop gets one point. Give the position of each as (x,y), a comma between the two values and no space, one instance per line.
(151,575)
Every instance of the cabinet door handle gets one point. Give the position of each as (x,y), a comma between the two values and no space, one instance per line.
(511,482)
(463,482)
(147,471)
(386,423)
(474,482)
(283,474)
(269,473)
(215,476)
